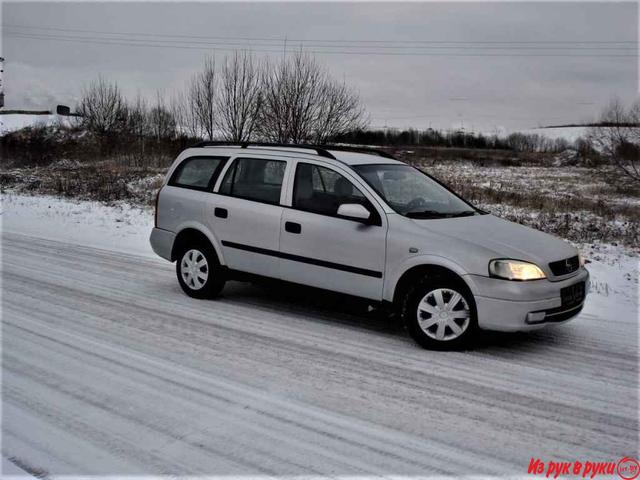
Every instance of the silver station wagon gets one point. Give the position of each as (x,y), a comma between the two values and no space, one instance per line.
(359,222)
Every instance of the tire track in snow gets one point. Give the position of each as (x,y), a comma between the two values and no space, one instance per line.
(306,390)
(524,405)
(391,445)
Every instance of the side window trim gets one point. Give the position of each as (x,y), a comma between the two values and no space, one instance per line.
(223,173)
(234,170)
(232,163)
(214,176)
(377,220)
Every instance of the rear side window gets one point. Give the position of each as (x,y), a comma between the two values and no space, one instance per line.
(322,190)
(198,173)
(255,179)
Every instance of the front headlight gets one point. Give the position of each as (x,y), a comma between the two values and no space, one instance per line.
(581,261)
(515,270)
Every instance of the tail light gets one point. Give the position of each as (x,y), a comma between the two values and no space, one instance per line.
(155,216)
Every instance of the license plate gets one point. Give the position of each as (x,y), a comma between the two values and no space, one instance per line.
(573,295)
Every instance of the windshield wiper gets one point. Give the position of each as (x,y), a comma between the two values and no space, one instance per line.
(435,214)
(464,213)
(426,214)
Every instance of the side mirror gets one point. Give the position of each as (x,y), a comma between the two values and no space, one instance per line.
(354,211)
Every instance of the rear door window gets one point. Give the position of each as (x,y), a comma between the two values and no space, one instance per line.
(254,179)
(198,173)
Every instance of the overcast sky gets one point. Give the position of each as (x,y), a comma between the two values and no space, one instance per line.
(481,65)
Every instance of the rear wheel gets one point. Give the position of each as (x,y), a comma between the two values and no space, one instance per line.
(199,272)
(440,313)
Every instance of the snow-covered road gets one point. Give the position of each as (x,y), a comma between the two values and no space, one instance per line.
(109,369)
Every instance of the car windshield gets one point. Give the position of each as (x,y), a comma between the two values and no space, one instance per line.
(412,193)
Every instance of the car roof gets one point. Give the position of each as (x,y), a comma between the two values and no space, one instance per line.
(341,157)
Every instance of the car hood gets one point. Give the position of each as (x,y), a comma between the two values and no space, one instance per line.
(502,238)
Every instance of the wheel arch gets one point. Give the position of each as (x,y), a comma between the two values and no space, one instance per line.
(190,234)
(413,272)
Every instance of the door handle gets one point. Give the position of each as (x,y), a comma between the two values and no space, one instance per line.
(221,212)
(293,227)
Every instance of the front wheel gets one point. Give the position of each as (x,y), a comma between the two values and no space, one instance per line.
(199,272)
(440,313)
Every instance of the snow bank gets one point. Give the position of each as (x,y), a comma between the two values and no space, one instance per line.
(119,227)
(614,282)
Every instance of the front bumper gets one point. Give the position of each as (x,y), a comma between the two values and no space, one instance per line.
(509,306)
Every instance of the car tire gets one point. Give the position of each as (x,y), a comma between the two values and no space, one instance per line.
(440,313)
(199,272)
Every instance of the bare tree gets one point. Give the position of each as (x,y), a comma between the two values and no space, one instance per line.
(138,117)
(203,98)
(304,94)
(183,111)
(340,112)
(239,99)
(103,108)
(273,123)
(138,123)
(302,103)
(617,136)
(161,120)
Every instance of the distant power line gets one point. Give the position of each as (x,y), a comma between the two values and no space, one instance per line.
(439,48)
(272,43)
(333,40)
(136,43)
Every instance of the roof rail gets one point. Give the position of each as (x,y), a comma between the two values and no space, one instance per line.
(321,151)
(356,149)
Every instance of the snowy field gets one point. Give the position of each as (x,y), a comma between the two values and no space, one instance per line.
(568,133)
(109,369)
(582,204)
(11,122)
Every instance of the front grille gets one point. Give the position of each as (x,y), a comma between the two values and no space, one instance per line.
(565,267)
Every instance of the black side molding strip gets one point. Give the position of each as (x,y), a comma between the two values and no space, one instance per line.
(298,258)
